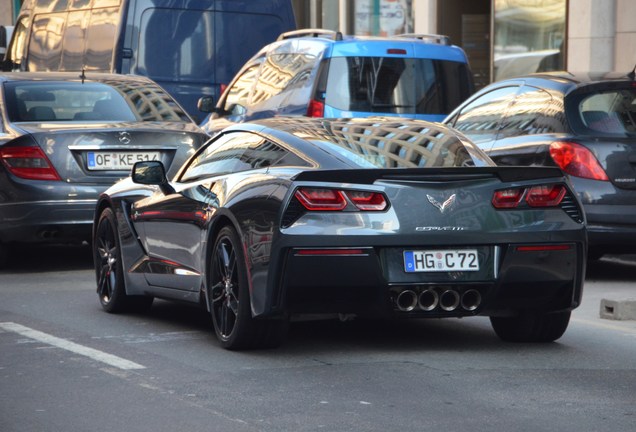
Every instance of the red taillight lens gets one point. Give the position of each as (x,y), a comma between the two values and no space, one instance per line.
(322,199)
(577,161)
(545,196)
(315,199)
(28,163)
(316,108)
(367,201)
(535,196)
(508,198)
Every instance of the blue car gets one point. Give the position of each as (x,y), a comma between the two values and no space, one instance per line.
(323,73)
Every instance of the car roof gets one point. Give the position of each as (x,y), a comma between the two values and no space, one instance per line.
(68,76)
(573,79)
(338,44)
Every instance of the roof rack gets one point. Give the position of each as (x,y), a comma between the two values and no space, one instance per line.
(311,32)
(434,38)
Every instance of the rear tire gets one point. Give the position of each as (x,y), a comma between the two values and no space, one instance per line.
(531,327)
(109,269)
(230,299)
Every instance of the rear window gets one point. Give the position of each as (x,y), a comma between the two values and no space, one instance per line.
(397,85)
(611,111)
(367,144)
(38,101)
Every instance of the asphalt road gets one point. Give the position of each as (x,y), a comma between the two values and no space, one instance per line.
(65,365)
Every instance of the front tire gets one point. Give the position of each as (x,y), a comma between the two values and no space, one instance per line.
(109,269)
(230,299)
(531,327)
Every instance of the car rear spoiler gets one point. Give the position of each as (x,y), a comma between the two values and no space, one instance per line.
(369,176)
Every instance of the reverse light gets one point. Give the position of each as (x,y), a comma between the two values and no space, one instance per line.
(322,199)
(534,196)
(576,160)
(28,163)
(316,108)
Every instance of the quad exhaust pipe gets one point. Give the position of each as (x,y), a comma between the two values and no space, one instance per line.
(429,299)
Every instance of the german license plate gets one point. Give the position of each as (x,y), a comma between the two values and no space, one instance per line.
(118,160)
(441,260)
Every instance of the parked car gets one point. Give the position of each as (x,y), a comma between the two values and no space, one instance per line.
(188,47)
(584,124)
(323,73)
(383,217)
(66,137)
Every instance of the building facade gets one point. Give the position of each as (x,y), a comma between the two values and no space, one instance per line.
(502,38)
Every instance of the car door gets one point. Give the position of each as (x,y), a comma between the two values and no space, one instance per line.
(480,119)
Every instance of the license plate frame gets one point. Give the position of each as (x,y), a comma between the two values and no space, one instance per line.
(117,160)
(441,260)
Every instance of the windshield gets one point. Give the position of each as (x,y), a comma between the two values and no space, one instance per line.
(53,101)
(397,85)
(611,111)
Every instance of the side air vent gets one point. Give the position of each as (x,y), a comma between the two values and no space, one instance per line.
(569,205)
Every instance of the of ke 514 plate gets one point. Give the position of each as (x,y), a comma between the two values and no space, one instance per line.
(441,260)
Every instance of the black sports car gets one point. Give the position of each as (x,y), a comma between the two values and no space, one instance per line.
(379,217)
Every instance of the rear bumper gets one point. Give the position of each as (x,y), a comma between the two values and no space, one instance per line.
(67,221)
(372,281)
(611,228)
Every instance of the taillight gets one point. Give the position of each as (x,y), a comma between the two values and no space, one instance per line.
(367,201)
(316,108)
(577,161)
(534,196)
(28,163)
(545,196)
(322,199)
(507,198)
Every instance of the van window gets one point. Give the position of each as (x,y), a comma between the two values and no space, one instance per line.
(186,49)
(73,53)
(397,85)
(45,47)
(100,39)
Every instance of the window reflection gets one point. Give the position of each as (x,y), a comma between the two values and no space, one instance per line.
(529,37)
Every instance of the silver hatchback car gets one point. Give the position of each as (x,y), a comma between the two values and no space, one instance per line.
(66,137)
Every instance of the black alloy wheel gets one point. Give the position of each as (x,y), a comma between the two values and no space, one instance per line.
(230,299)
(109,270)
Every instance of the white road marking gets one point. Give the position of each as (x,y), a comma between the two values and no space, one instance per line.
(94,354)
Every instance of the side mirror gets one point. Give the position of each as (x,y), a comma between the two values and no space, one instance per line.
(151,173)
(206,104)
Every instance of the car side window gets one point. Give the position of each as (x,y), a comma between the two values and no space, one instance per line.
(480,119)
(534,111)
(279,71)
(239,92)
(238,151)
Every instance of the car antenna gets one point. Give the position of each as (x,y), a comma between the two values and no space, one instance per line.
(632,74)
(83,76)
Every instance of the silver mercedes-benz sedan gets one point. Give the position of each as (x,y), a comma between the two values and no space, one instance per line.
(66,137)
